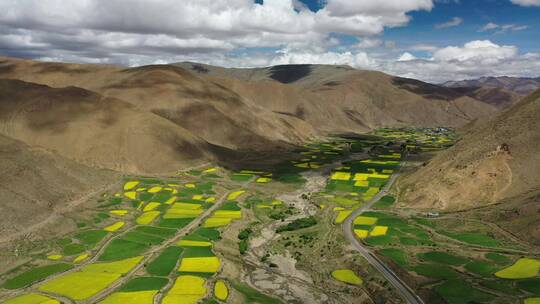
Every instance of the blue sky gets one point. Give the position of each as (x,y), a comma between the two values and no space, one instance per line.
(431,40)
(474,13)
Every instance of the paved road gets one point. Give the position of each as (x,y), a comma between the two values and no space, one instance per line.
(401,287)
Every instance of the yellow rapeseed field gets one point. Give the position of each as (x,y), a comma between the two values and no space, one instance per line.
(263,180)
(361,233)
(372,191)
(92,279)
(186,206)
(532,301)
(147,217)
(200,264)
(121,267)
(120,212)
(134,297)
(343,176)
(32,298)
(54,257)
(114,227)
(190,243)
(213,222)
(233,214)
(80,285)
(361,176)
(347,276)
(187,289)
(130,185)
(234,195)
(378,230)
(361,183)
(171,200)
(221,291)
(365,220)
(81,258)
(523,268)
(131,195)
(342,215)
(181,213)
(151,206)
(155,189)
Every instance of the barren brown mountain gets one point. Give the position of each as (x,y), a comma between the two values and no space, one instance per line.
(94,130)
(157,119)
(495,163)
(519,85)
(37,186)
(342,99)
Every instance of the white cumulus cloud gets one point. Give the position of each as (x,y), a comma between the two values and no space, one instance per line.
(108,30)
(478,50)
(407,57)
(526,2)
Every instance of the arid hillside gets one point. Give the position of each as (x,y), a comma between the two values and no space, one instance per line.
(501,92)
(161,118)
(37,186)
(497,162)
(342,99)
(519,85)
(94,130)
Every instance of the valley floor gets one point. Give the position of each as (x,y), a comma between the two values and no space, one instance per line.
(273,234)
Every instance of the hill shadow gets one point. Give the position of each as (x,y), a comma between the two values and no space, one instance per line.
(290,73)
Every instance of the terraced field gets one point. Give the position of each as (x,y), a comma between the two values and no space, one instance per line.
(272,234)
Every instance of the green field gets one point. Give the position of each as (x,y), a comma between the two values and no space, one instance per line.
(165,262)
(460,292)
(35,274)
(385,202)
(191,252)
(473,238)
(175,223)
(435,271)
(209,233)
(122,249)
(530,285)
(482,268)
(498,258)
(396,255)
(157,231)
(73,248)
(142,238)
(252,295)
(442,257)
(91,237)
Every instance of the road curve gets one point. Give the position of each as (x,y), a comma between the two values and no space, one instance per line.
(401,287)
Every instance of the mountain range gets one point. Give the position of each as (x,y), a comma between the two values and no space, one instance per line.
(501,92)
(157,119)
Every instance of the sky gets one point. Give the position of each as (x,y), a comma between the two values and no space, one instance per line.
(430,40)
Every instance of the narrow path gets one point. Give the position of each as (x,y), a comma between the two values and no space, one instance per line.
(401,287)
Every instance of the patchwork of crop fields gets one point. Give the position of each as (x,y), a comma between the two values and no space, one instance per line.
(212,235)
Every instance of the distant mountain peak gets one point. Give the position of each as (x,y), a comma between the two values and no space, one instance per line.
(518,85)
